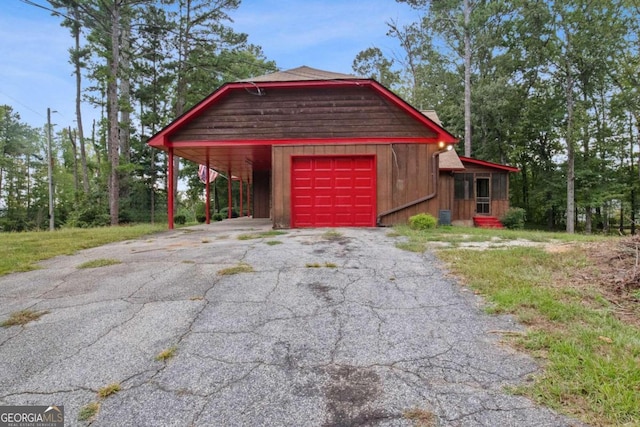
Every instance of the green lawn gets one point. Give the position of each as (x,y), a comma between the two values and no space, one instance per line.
(591,358)
(22,251)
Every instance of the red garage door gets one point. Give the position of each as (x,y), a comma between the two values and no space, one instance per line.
(333,191)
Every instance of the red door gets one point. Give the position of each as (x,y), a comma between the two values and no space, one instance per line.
(333,191)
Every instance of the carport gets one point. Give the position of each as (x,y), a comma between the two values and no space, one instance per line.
(319,149)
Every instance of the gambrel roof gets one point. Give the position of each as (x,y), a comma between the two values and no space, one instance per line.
(234,128)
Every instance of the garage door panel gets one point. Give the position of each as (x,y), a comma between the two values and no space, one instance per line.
(333,191)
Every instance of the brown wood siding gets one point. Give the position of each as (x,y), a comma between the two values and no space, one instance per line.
(302,113)
(463,210)
(281,161)
(261,194)
(445,191)
(499,207)
(411,179)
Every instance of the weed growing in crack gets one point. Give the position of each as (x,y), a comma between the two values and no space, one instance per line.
(318,265)
(240,268)
(273,242)
(101,262)
(250,236)
(108,390)
(166,354)
(332,235)
(23,317)
(421,417)
(89,411)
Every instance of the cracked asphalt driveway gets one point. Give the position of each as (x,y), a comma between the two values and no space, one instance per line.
(329,329)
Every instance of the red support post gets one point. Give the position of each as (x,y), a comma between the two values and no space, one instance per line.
(170,200)
(241,198)
(207,186)
(249,197)
(229,194)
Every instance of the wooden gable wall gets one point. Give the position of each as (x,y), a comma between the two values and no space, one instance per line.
(302,113)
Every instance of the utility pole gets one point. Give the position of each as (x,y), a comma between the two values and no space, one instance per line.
(50,171)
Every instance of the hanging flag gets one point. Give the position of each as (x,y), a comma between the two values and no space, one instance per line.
(202,174)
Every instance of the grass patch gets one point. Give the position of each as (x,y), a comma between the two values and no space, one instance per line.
(22,251)
(101,262)
(590,357)
(457,235)
(166,354)
(108,390)
(318,265)
(89,411)
(332,235)
(22,317)
(240,268)
(273,242)
(412,246)
(270,233)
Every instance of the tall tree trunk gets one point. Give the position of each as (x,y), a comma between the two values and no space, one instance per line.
(181,88)
(96,146)
(78,73)
(125,110)
(112,115)
(467,78)
(571,174)
(74,148)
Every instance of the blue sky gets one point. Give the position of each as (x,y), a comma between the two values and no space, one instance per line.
(327,34)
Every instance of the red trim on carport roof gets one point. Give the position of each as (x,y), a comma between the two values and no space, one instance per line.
(161,138)
(489,164)
(316,141)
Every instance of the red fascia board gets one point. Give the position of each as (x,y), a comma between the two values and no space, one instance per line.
(489,164)
(271,142)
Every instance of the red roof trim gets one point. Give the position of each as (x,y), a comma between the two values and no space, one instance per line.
(315,141)
(161,139)
(489,164)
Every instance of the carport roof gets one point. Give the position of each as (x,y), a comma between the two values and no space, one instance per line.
(242,156)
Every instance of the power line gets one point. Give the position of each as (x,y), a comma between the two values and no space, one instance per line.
(23,104)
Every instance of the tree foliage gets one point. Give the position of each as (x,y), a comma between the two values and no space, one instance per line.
(554,90)
(143,63)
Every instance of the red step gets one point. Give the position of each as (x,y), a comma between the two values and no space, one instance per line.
(487,222)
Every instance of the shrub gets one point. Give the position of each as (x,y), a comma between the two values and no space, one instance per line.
(423,221)
(180,219)
(217,217)
(201,212)
(514,218)
(225,213)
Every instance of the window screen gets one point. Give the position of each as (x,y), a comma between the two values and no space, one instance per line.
(463,186)
(499,186)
